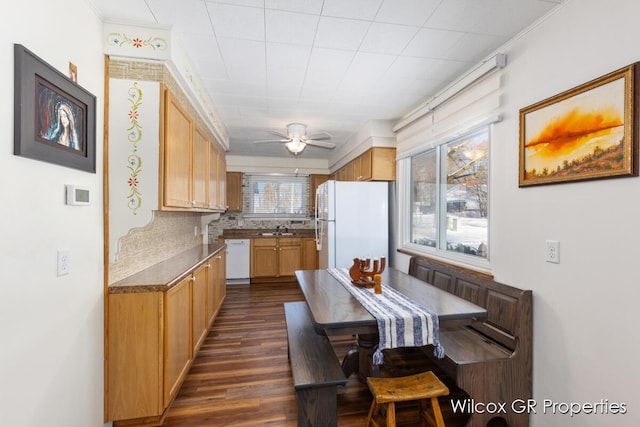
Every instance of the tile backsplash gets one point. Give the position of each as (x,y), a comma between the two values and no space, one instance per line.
(168,234)
(237,221)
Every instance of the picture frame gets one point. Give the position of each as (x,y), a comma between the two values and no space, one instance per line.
(54,117)
(588,132)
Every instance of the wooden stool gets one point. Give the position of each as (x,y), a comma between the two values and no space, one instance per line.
(418,387)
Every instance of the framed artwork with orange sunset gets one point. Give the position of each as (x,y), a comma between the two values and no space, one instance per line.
(588,132)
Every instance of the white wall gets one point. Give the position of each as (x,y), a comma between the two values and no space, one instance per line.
(586,341)
(51,328)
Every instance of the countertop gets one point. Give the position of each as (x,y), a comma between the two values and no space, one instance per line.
(164,275)
(253,233)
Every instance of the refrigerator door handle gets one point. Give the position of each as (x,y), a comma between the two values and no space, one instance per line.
(319,233)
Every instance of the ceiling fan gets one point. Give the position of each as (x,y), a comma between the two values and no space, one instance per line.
(296,138)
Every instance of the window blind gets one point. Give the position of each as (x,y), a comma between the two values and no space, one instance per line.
(475,106)
(275,196)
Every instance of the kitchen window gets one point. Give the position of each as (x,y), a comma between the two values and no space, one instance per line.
(446,198)
(276,196)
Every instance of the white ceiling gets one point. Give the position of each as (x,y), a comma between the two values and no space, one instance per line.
(331,64)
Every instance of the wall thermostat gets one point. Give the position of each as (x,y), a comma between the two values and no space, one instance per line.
(77,196)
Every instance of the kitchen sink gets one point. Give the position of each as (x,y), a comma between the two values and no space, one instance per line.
(277,233)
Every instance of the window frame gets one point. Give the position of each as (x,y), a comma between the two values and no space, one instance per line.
(405,200)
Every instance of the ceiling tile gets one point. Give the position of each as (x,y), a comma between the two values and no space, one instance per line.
(288,27)
(473,47)
(286,63)
(432,43)
(327,67)
(244,59)
(340,33)
(124,10)
(387,38)
(190,17)
(250,3)
(365,70)
(406,12)
(356,9)
(312,7)
(237,21)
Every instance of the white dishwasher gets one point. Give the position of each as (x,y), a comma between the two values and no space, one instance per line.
(238,261)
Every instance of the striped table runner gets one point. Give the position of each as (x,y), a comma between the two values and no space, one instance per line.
(402,322)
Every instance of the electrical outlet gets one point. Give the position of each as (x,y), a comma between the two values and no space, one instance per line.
(64,262)
(552,251)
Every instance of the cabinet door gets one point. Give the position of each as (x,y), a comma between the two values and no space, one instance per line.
(290,256)
(309,254)
(364,171)
(177,329)
(214,179)
(176,155)
(223,203)
(383,164)
(314,182)
(199,323)
(234,191)
(213,302)
(200,170)
(264,257)
(135,355)
(222,279)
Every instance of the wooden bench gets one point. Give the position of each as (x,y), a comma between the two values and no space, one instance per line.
(315,368)
(490,359)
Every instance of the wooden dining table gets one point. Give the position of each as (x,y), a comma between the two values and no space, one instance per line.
(335,311)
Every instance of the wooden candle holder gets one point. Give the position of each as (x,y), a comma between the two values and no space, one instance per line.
(360,273)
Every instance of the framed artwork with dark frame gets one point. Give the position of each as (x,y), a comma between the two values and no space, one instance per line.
(588,132)
(54,117)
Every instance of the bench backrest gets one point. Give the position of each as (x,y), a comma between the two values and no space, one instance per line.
(508,309)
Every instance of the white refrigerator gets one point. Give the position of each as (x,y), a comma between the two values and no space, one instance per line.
(352,221)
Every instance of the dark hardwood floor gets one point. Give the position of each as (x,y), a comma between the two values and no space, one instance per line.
(241,376)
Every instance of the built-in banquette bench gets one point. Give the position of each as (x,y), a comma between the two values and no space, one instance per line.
(490,359)
(315,368)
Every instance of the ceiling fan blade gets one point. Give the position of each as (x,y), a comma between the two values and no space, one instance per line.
(321,143)
(320,136)
(266,141)
(280,134)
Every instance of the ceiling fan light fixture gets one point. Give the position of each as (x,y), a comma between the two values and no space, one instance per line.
(295,145)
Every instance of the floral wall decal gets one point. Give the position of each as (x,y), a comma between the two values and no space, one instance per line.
(121,39)
(134,160)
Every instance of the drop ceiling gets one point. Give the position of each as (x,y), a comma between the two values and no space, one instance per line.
(333,65)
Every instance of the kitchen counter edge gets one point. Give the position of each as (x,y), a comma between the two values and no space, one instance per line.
(164,275)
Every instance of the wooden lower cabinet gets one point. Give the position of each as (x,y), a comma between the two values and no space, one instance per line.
(153,338)
(136,355)
(276,257)
(200,290)
(264,258)
(289,256)
(217,285)
(309,254)
(177,332)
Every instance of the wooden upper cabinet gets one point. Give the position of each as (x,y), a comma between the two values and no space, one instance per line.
(201,167)
(376,164)
(380,163)
(176,155)
(223,204)
(363,172)
(192,165)
(234,191)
